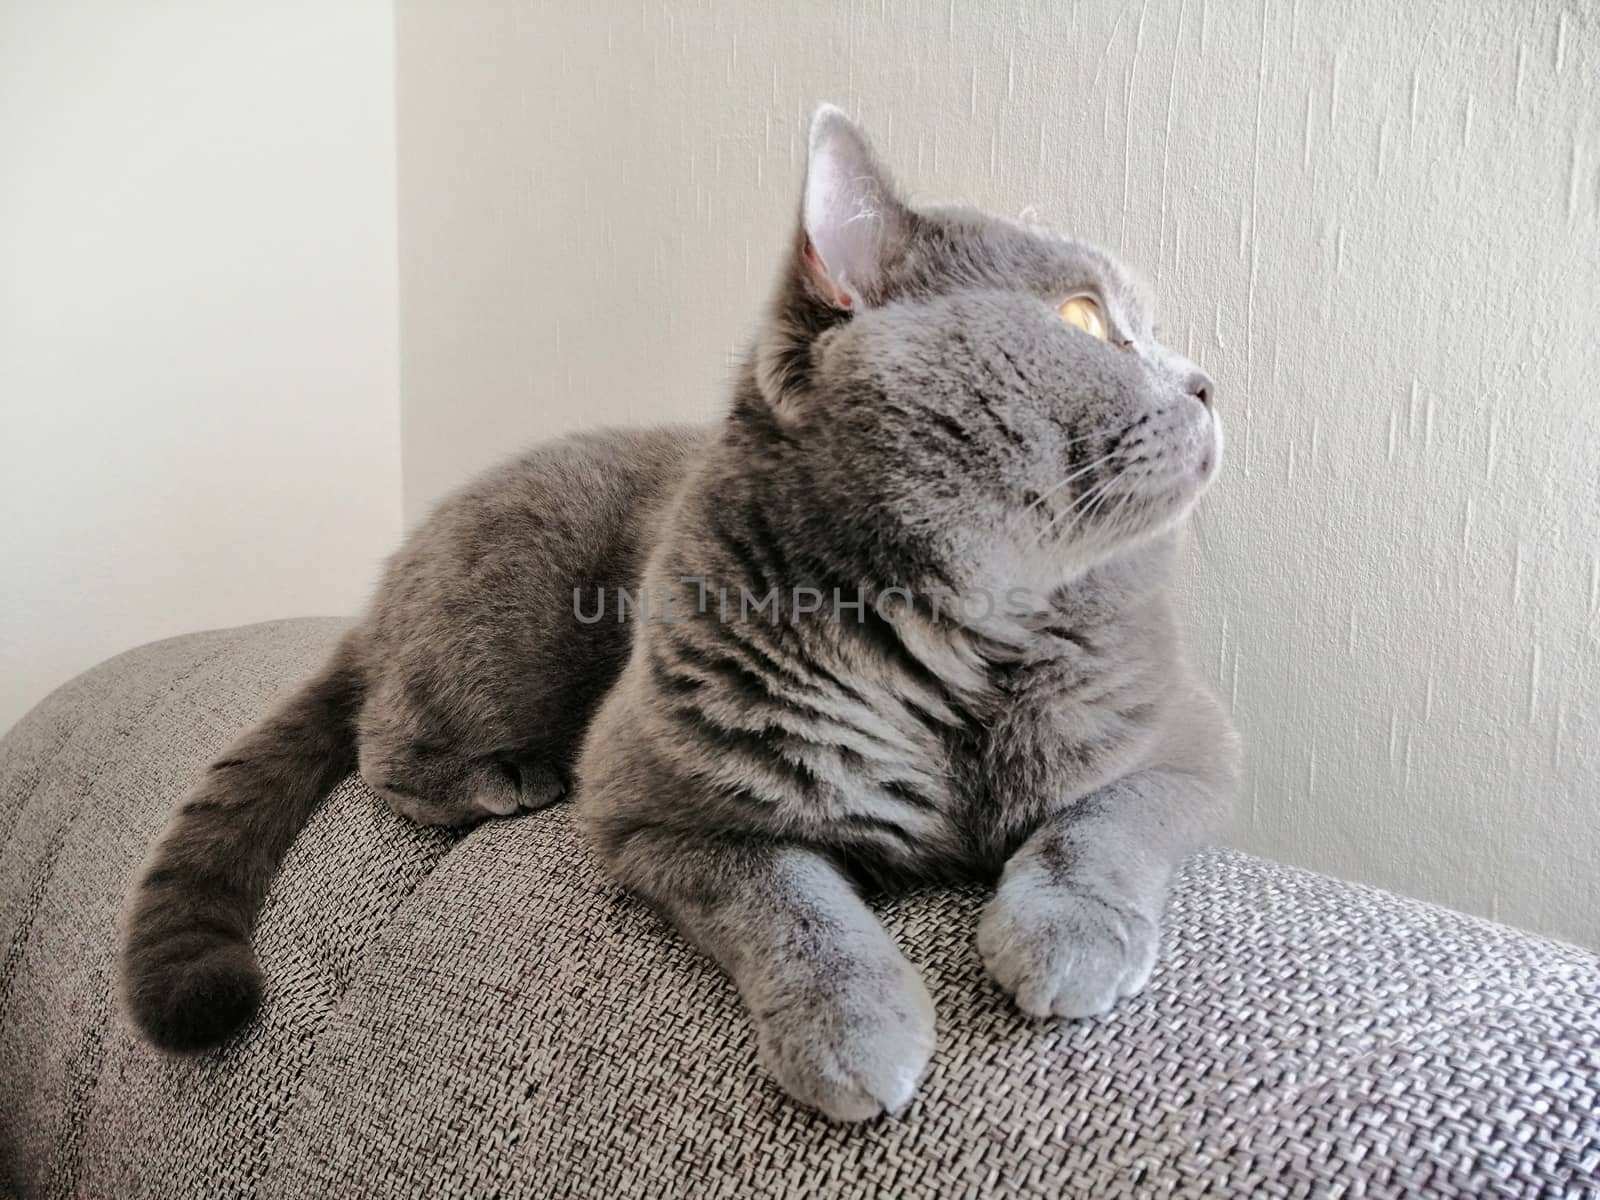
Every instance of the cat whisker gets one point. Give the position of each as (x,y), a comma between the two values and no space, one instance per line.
(1081,506)
(1198,524)
(1080,472)
(1100,505)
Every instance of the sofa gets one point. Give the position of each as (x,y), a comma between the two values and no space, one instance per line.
(486,1015)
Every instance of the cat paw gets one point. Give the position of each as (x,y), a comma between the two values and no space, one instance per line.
(460,793)
(537,785)
(856,1051)
(427,812)
(1065,953)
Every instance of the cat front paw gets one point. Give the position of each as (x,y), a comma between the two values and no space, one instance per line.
(852,1050)
(1064,952)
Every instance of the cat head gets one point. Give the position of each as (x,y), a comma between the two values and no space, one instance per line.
(989,387)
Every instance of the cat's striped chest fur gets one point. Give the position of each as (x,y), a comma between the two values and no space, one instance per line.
(912,745)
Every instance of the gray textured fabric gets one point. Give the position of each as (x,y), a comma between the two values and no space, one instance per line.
(488,1016)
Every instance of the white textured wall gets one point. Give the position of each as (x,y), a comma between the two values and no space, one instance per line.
(199,404)
(1377,224)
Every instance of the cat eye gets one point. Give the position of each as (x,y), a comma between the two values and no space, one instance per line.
(1083,311)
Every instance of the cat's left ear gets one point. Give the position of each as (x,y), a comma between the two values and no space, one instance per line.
(855,226)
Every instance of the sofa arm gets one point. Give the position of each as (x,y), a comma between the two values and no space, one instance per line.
(466,1016)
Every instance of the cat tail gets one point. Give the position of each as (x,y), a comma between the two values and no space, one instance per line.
(188,976)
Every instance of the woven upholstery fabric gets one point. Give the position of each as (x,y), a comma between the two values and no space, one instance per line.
(487,1016)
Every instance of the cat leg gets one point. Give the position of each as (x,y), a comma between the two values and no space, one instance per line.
(426,776)
(843,1021)
(539,784)
(1075,922)
(438,787)
(435,785)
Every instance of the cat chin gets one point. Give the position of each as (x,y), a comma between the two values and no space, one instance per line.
(1078,559)
(1157,517)
(1172,509)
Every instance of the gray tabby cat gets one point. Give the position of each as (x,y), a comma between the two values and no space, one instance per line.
(902,617)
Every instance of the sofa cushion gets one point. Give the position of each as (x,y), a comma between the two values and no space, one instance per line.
(487,1015)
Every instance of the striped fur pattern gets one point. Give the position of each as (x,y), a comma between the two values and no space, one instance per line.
(901,617)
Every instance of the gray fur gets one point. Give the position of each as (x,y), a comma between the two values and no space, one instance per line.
(462,694)
(915,422)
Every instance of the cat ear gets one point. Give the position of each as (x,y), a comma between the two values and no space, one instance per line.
(855,226)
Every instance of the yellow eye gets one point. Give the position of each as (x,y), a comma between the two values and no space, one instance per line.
(1084,312)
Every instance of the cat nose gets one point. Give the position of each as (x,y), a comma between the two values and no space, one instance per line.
(1199,385)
